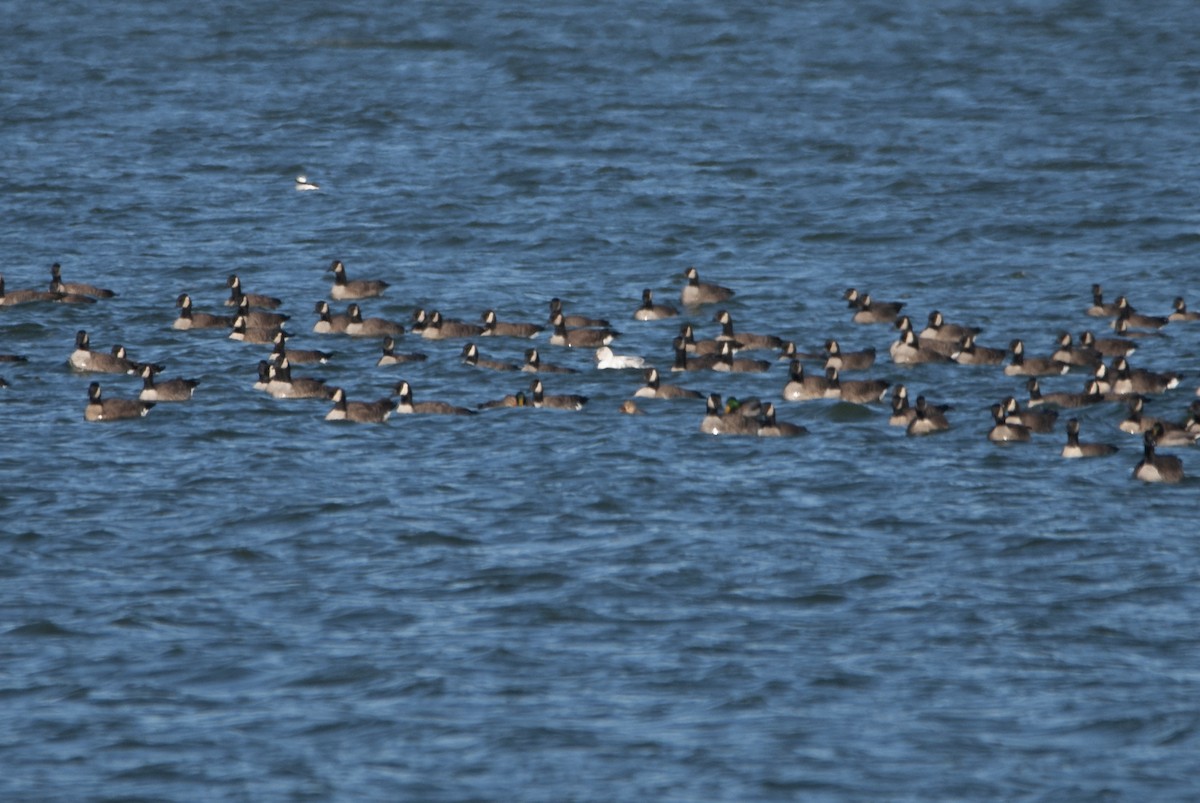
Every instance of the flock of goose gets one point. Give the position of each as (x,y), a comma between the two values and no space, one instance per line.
(253,319)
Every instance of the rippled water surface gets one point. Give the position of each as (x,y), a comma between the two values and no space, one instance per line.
(233,599)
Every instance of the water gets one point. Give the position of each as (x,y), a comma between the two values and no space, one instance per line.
(232,599)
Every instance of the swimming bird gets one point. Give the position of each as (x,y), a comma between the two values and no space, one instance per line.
(1128,380)
(492,327)
(1181,313)
(406,405)
(296,356)
(649,311)
(1099,309)
(280,383)
(654,389)
(257,334)
(391,357)
(518,399)
(789,352)
(868,310)
(375,412)
(911,350)
(358,326)
(470,356)
(744,340)
(236,294)
(606,360)
(768,427)
(694,346)
(927,419)
(1081,356)
(629,407)
(696,292)
(260,319)
(1075,449)
(1134,319)
(558,402)
(1157,467)
(1091,395)
(327,322)
(1004,432)
(57,285)
(173,390)
(969,353)
(801,387)
(1136,421)
(700,362)
(83,359)
(574,321)
(439,328)
(576,338)
(190,319)
(344,289)
(717,422)
(304,185)
(11,298)
(534,365)
(854,391)
(1107,346)
(1037,421)
(727,363)
(1022,365)
(938,329)
(848,360)
(101,409)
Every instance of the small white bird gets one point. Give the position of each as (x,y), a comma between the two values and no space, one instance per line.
(302,183)
(606,359)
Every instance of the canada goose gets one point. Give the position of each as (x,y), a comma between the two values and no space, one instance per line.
(260,319)
(575,338)
(1032,366)
(943,348)
(63,297)
(694,346)
(246,334)
(742,339)
(518,399)
(13,297)
(855,391)
(390,357)
(654,389)
(1127,380)
(190,319)
(296,356)
(359,326)
(120,353)
(1134,319)
(57,285)
(927,420)
(1192,423)
(282,385)
(902,412)
(253,299)
(1069,353)
(173,390)
(649,311)
(696,292)
(848,360)
(101,409)
(1136,421)
(406,405)
(911,350)
(1075,449)
(304,185)
(1090,395)
(1155,467)
(804,388)
(1037,421)
(1099,309)
(328,323)
(575,321)
(938,329)
(470,356)
(375,412)
(1107,346)
(559,402)
(607,360)
(717,422)
(700,362)
(534,365)
(629,407)
(770,428)
(1181,313)
(868,310)
(85,360)
(344,289)
(969,353)
(439,328)
(727,363)
(789,352)
(1004,432)
(492,327)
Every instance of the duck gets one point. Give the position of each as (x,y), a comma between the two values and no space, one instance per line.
(375,412)
(575,321)
(327,322)
(1156,467)
(768,427)
(629,407)
(173,390)
(911,350)
(1004,432)
(927,419)
(260,319)
(280,383)
(744,340)
(696,292)
(344,289)
(694,346)
(518,399)
(868,310)
(190,319)
(257,334)
(1074,449)
(1135,320)
(100,409)
(1091,395)
(84,360)
(1079,356)
(406,405)
(727,363)
(391,357)
(1180,313)
(576,338)
(1032,366)
(855,391)
(439,328)
(534,365)
(359,326)
(296,356)
(304,185)
(234,283)
(492,327)
(12,298)
(57,285)
(717,422)
(1128,380)
(701,362)
(938,329)
(607,360)
(1107,346)
(559,402)
(848,360)
(969,353)
(654,389)
(800,387)
(1037,421)
(649,311)
(1099,309)
(470,356)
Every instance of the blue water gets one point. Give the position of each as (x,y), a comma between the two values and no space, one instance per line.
(232,599)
